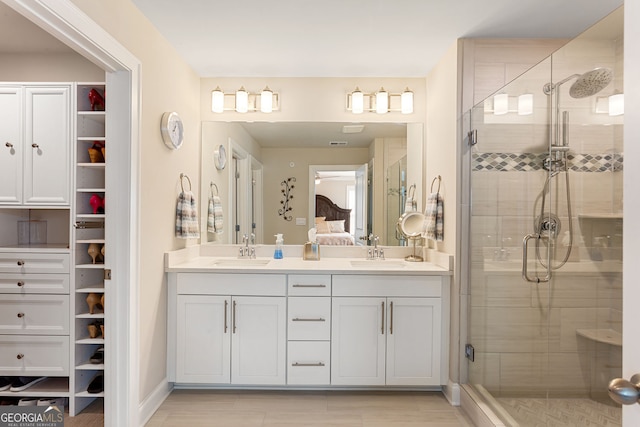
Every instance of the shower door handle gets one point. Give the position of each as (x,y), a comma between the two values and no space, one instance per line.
(625,392)
(525,274)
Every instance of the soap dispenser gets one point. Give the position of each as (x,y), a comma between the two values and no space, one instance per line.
(277,254)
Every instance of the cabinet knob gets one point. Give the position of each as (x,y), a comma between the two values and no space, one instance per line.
(20,262)
(20,315)
(34,145)
(8,144)
(20,284)
(20,356)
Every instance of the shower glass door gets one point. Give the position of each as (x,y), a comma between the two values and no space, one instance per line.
(546,176)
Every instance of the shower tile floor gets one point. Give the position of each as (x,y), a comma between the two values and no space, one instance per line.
(534,412)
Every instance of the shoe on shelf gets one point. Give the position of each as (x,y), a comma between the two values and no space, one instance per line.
(60,402)
(28,401)
(96,385)
(98,356)
(5,383)
(8,401)
(23,383)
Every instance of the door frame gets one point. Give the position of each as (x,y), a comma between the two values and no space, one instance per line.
(66,22)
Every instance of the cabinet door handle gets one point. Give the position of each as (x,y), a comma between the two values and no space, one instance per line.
(20,356)
(382,327)
(308,286)
(8,145)
(391,318)
(297,319)
(226,303)
(34,145)
(307,364)
(20,283)
(20,262)
(234,317)
(20,315)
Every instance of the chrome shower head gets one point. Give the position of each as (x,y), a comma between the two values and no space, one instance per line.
(591,82)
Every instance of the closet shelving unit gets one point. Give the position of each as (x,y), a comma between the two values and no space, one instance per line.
(88,228)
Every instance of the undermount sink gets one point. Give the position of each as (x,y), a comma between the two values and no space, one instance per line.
(239,262)
(378,264)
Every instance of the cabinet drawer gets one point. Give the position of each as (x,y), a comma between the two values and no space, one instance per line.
(309,318)
(232,284)
(309,284)
(386,286)
(34,283)
(34,263)
(309,363)
(34,314)
(34,355)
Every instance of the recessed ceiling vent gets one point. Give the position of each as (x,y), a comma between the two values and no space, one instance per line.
(337,143)
(352,128)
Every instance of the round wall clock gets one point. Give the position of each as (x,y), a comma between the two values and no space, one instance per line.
(220,157)
(172,130)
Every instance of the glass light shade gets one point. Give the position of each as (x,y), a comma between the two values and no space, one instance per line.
(501,104)
(217,100)
(525,104)
(357,101)
(382,101)
(616,104)
(242,100)
(266,100)
(406,102)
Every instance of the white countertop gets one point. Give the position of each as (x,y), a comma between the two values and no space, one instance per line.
(193,260)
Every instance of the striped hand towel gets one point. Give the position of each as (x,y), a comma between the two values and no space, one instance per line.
(187,216)
(434,218)
(214,215)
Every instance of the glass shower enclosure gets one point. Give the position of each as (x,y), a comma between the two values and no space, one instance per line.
(545,296)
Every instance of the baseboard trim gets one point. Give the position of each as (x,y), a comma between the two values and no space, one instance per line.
(152,402)
(452,392)
(475,408)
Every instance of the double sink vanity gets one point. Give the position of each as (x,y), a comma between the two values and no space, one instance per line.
(341,321)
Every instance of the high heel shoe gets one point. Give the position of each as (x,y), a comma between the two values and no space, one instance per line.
(94,251)
(96,152)
(96,100)
(97,203)
(94,300)
(95,329)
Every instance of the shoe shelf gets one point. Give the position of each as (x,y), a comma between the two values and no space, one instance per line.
(89,230)
(51,387)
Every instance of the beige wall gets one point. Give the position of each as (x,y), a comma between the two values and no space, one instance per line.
(168,84)
(55,67)
(277,168)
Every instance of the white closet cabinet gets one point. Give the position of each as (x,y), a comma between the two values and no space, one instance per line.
(36,138)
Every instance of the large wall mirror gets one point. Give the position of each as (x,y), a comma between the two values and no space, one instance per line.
(363,168)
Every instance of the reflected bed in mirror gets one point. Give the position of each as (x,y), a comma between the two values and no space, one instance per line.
(286,149)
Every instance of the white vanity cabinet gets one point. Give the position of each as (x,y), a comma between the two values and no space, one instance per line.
(35,134)
(386,330)
(229,329)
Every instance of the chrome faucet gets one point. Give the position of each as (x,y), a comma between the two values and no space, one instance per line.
(375,252)
(246,251)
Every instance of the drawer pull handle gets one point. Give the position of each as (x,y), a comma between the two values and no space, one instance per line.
(20,315)
(20,262)
(20,284)
(35,145)
(309,286)
(20,356)
(297,319)
(307,364)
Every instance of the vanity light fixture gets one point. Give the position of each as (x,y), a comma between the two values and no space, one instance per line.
(525,104)
(243,101)
(616,104)
(500,104)
(380,102)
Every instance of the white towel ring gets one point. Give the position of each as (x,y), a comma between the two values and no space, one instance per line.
(211,187)
(439,179)
(182,176)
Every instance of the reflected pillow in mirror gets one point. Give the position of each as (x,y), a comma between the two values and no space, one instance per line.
(322,227)
(320,219)
(336,226)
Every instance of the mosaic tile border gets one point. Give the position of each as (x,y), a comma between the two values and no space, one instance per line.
(525,162)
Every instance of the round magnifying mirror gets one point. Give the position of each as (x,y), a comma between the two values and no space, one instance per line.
(411,225)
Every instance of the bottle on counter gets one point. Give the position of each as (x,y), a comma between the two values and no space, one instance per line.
(277,254)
